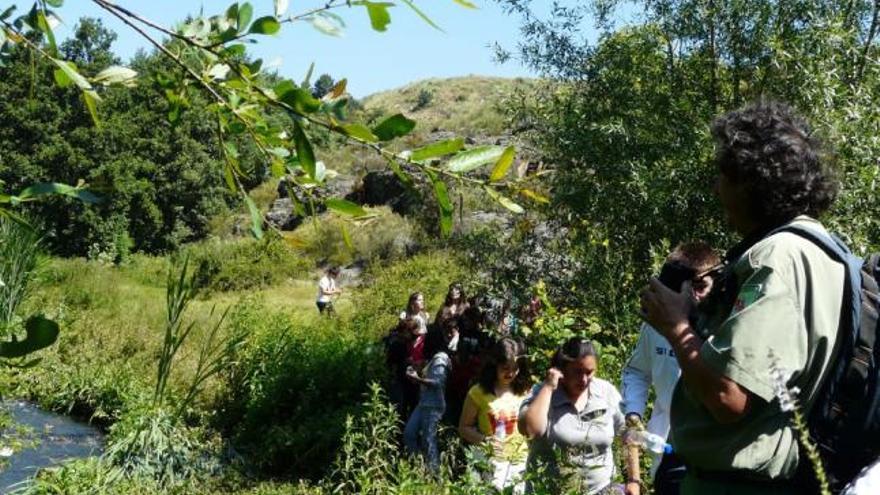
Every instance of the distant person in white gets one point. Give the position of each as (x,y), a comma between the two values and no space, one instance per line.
(327,289)
(415,309)
(653,363)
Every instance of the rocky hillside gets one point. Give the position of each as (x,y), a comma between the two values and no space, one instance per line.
(468,107)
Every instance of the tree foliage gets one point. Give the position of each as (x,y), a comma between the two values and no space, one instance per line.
(158,182)
(209,64)
(625,119)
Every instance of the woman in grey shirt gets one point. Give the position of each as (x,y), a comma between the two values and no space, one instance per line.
(571,420)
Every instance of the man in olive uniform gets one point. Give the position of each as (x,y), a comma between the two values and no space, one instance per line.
(776,305)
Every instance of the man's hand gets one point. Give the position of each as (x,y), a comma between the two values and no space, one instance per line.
(633,488)
(665,309)
(552,379)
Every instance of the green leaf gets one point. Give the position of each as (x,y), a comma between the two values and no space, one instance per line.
(91,98)
(265,25)
(8,12)
(277,168)
(346,238)
(280,7)
(299,99)
(503,164)
(474,158)
(47,188)
(378,12)
(229,176)
(504,201)
(69,73)
(304,152)
(44,26)
(421,14)
(236,50)
(307,81)
(116,74)
(437,149)
(443,202)
(41,333)
(328,23)
(55,3)
(445,222)
(345,207)
(534,196)
(510,205)
(465,3)
(395,126)
(256,218)
(442,194)
(244,14)
(359,131)
(398,171)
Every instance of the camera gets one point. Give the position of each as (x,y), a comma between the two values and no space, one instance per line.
(675,273)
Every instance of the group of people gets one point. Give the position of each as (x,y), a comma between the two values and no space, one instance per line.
(452,367)
(715,328)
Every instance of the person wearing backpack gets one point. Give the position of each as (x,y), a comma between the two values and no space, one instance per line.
(776,304)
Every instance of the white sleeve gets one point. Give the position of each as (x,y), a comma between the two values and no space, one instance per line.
(616,404)
(324,284)
(636,379)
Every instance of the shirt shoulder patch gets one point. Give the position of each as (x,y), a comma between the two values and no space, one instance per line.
(748,294)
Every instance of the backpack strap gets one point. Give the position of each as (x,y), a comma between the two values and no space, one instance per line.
(844,380)
(837,250)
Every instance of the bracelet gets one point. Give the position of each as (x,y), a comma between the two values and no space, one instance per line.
(634,480)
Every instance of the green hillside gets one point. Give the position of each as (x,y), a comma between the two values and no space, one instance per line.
(471,105)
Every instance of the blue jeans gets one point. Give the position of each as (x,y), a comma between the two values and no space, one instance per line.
(420,434)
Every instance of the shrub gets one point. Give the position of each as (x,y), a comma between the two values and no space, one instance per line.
(379,305)
(245,264)
(292,384)
(386,237)
(423,100)
(153,444)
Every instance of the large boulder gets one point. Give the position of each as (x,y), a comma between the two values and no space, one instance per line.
(383,187)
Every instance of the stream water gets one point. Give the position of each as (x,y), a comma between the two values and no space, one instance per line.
(50,440)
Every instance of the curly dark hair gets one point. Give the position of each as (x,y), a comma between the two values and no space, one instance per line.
(771,150)
(505,351)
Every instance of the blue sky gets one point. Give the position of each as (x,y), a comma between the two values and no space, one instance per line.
(372,61)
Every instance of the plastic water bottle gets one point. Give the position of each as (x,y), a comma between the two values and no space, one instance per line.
(652,442)
(500,429)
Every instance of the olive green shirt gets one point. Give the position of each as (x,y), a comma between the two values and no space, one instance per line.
(787,309)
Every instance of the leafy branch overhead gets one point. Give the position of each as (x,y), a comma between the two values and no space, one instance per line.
(210,53)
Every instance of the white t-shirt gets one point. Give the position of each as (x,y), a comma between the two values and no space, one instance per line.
(421,318)
(867,482)
(325,285)
(652,363)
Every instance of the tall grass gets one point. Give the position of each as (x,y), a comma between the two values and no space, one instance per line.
(19,249)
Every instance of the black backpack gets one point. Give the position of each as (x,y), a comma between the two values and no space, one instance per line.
(845,418)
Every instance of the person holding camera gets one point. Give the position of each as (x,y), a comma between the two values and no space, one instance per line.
(653,363)
(776,305)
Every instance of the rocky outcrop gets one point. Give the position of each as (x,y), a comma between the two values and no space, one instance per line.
(284,216)
(384,188)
